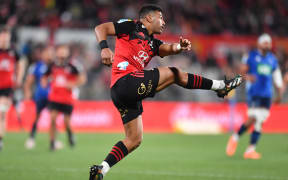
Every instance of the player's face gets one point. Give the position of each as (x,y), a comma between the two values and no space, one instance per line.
(158,22)
(62,53)
(265,46)
(48,54)
(5,38)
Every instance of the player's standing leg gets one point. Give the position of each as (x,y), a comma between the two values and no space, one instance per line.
(260,114)
(5,103)
(40,105)
(67,118)
(54,145)
(233,140)
(132,140)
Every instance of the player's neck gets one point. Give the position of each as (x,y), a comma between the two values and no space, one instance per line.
(262,52)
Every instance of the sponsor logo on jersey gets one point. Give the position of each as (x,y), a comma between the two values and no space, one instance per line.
(141,58)
(264,69)
(123,65)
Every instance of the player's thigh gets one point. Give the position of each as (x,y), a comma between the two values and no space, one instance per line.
(53,114)
(5,101)
(170,75)
(134,128)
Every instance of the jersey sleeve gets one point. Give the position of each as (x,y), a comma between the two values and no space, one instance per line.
(74,70)
(17,56)
(124,26)
(275,65)
(157,43)
(245,59)
(31,69)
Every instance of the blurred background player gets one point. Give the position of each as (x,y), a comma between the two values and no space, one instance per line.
(261,69)
(64,78)
(11,72)
(40,96)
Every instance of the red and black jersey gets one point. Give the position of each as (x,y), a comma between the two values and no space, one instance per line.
(134,48)
(60,76)
(8,60)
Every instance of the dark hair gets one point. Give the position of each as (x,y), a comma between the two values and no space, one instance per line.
(146,9)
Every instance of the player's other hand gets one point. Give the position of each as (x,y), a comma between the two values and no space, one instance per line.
(185,44)
(250,78)
(70,85)
(107,56)
(279,95)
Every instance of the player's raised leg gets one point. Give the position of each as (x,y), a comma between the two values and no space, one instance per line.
(173,75)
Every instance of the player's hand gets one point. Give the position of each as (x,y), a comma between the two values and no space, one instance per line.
(250,78)
(107,56)
(279,95)
(277,100)
(70,85)
(185,44)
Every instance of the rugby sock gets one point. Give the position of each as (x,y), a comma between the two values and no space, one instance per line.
(52,144)
(242,129)
(70,136)
(199,82)
(118,152)
(255,137)
(33,131)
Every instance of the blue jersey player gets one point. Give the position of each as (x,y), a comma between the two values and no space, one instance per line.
(40,96)
(261,70)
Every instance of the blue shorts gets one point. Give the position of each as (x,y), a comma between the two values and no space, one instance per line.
(40,104)
(261,102)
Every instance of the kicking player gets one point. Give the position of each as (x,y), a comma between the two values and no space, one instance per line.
(130,83)
(260,68)
(10,67)
(64,78)
(40,97)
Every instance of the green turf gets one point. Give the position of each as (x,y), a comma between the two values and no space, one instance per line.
(160,157)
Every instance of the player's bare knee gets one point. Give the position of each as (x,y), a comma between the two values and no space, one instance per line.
(180,77)
(136,140)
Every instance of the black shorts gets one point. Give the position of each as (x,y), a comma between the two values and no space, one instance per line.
(129,91)
(40,104)
(64,108)
(8,92)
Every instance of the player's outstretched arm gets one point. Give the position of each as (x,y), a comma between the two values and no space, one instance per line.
(175,48)
(101,32)
(104,30)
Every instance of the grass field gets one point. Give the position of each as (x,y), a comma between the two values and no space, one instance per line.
(160,157)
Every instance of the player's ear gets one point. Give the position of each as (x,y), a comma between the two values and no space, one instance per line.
(149,17)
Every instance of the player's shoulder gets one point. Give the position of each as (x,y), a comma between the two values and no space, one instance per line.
(73,68)
(253,52)
(126,21)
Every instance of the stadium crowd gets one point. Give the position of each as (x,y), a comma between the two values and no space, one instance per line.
(185,16)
